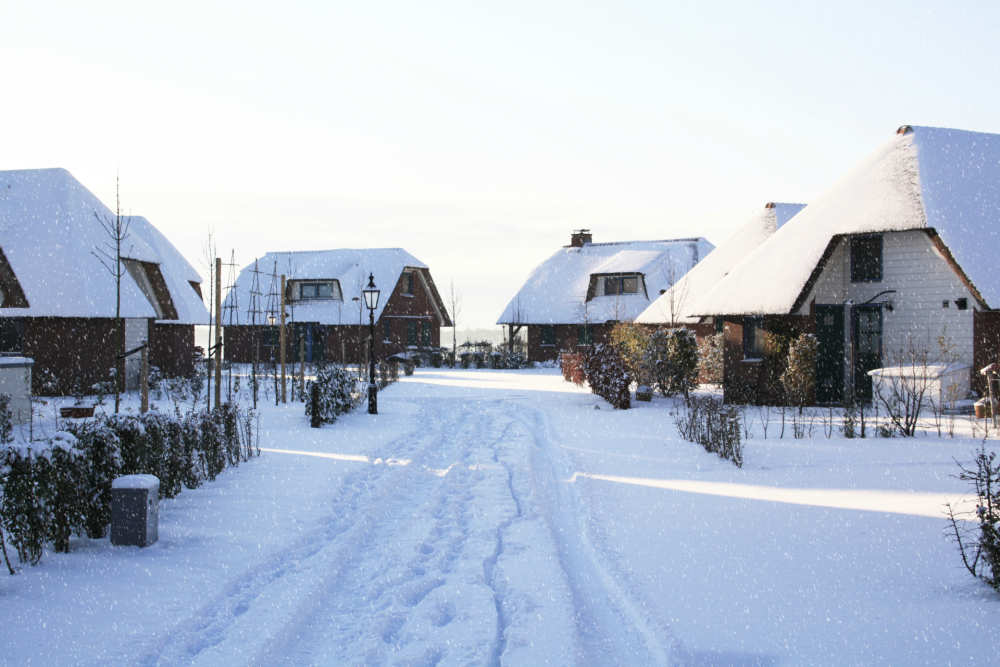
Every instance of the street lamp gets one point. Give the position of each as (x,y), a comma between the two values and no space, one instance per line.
(371,295)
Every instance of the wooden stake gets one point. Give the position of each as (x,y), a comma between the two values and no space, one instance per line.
(281,341)
(218,331)
(144,381)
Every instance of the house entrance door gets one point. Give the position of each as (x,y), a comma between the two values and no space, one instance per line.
(867,347)
(830,355)
(136,333)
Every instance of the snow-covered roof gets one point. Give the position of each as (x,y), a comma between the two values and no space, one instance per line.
(680,302)
(350,267)
(177,273)
(51,232)
(556,291)
(924,177)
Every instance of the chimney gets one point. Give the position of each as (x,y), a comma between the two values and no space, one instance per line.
(579,237)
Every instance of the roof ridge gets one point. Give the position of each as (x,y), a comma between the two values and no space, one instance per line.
(690,239)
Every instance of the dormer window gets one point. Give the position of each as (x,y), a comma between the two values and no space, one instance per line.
(408,282)
(626,284)
(310,290)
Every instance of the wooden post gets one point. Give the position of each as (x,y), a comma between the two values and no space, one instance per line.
(302,367)
(281,341)
(144,381)
(218,331)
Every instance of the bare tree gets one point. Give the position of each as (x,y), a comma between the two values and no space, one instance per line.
(109,253)
(455,302)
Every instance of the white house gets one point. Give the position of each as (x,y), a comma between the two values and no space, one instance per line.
(574,298)
(899,257)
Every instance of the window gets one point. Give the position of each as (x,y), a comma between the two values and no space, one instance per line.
(866,258)
(548,333)
(319,290)
(584,335)
(754,337)
(962,303)
(614,285)
(386,330)
(425,333)
(411,332)
(720,325)
(408,282)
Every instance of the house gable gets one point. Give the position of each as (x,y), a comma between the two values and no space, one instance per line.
(11,293)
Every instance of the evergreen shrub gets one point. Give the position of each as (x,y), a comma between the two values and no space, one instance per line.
(608,376)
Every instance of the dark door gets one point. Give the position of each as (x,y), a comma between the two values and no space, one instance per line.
(830,355)
(867,347)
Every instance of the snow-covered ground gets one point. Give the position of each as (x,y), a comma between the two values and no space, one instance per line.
(489,517)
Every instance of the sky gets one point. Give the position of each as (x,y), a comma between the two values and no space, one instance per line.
(475,135)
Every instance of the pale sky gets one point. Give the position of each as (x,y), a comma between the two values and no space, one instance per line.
(474,135)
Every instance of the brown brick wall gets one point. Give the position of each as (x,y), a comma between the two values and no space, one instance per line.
(986,345)
(758,382)
(79,352)
(171,349)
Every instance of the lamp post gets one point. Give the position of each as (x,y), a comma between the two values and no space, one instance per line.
(371,295)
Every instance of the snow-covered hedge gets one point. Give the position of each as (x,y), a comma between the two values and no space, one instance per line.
(714,426)
(62,486)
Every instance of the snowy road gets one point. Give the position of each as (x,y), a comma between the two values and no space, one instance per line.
(510,518)
(439,548)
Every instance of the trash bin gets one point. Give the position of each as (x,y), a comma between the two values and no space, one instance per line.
(135,503)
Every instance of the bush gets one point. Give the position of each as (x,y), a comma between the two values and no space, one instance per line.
(980,550)
(22,509)
(671,360)
(633,342)
(571,364)
(712,425)
(608,376)
(338,393)
(711,359)
(64,485)
(799,377)
(102,462)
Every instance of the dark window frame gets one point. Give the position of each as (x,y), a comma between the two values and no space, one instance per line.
(584,335)
(867,255)
(547,335)
(411,332)
(753,327)
(425,333)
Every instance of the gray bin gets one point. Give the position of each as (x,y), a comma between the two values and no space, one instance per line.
(135,503)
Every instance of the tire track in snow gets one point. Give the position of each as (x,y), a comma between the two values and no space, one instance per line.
(318,556)
(609,621)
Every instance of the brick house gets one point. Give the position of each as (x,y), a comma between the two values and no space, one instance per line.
(325,312)
(898,257)
(573,299)
(57,299)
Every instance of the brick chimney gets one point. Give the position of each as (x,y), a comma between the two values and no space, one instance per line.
(579,237)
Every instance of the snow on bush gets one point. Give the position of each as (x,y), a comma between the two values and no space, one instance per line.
(55,488)
(711,359)
(712,425)
(608,376)
(671,359)
(337,393)
(979,546)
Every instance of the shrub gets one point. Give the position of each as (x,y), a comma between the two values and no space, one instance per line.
(337,393)
(23,510)
(799,377)
(711,359)
(714,426)
(608,376)
(102,462)
(64,486)
(979,547)
(6,420)
(671,360)
(60,479)
(571,364)
(632,342)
